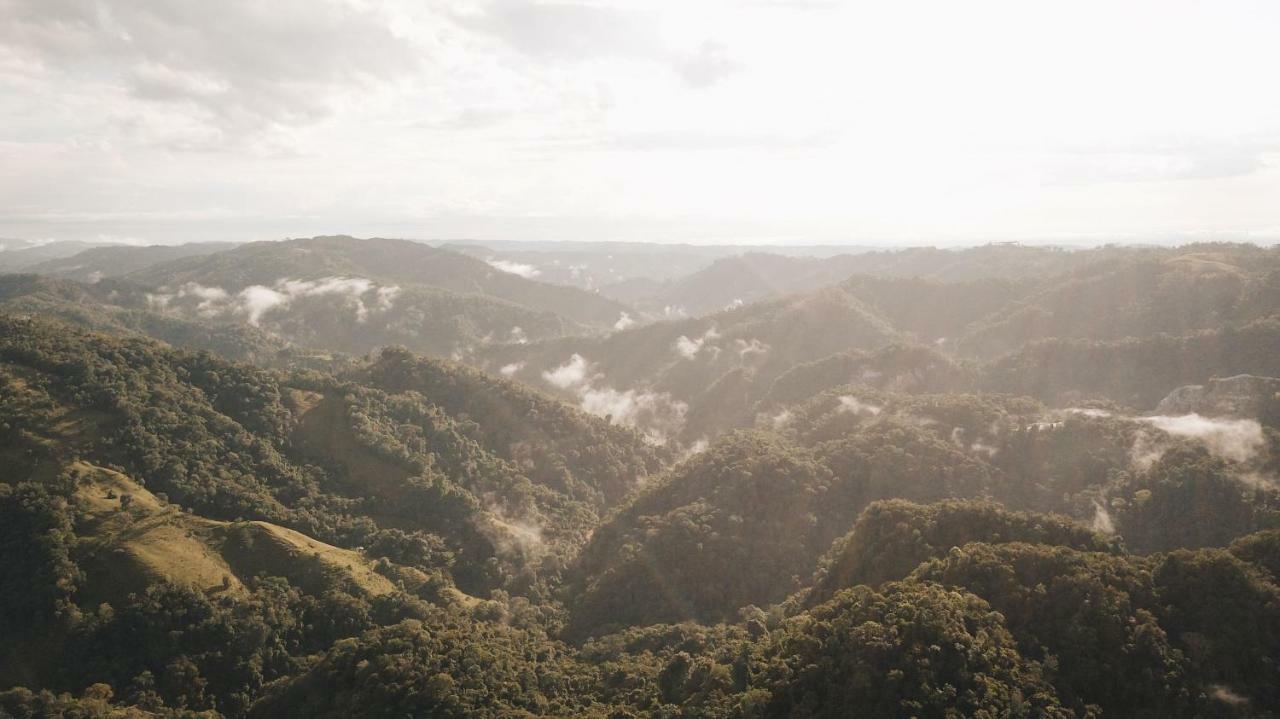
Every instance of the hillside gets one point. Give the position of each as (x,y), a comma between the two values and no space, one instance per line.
(692,378)
(760,276)
(383,262)
(778,497)
(96,263)
(894,492)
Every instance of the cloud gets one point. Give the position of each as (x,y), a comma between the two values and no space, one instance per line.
(509,370)
(1102,521)
(515,534)
(570,374)
(1183,159)
(1087,412)
(686,347)
(1238,440)
(567,30)
(624,321)
(233,67)
(560,31)
(694,449)
(852,405)
(515,268)
(696,141)
(257,300)
(209,297)
(689,348)
(746,348)
(656,414)
(625,407)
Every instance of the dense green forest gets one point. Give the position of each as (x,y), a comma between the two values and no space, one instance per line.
(328,478)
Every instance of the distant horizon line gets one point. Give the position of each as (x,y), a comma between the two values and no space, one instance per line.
(1081,241)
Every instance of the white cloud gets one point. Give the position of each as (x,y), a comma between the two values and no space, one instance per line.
(570,374)
(509,370)
(232,68)
(686,347)
(210,297)
(656,414)
(1102,521)
(240,119)
(689,348)
(748,348)
(1239,440)
(257,300)
(1088,412)
(852,405)
(624,322)
(694,449)
(526,271)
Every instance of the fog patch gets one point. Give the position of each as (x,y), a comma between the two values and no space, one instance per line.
(521,269)
(980,447)
(1102,521)
(509,370)
(209,299)
(1226,695)
(746,349)
(518,336)
(696,448)
(385,297)
(1239,440)
(852,405)
(624,322)
(256,300)
(655,414)
(1087,412)
(689,348)
(570,374)
(737,302)
(515,535)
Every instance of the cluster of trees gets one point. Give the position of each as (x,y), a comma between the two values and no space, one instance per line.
(922,493)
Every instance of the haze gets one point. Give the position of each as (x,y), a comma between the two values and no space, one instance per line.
(750,122)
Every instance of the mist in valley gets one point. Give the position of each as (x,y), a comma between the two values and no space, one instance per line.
(612,359)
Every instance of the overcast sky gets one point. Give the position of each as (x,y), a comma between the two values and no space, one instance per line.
(803,121)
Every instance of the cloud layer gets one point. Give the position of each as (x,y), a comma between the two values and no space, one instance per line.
(255,301)
(241,119)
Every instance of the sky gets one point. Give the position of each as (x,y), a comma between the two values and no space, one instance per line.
(785,121)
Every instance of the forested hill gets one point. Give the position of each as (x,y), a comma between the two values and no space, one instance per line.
(1046,487)
(1116,324)
(383,261)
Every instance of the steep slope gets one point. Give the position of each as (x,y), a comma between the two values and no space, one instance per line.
(339,461)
